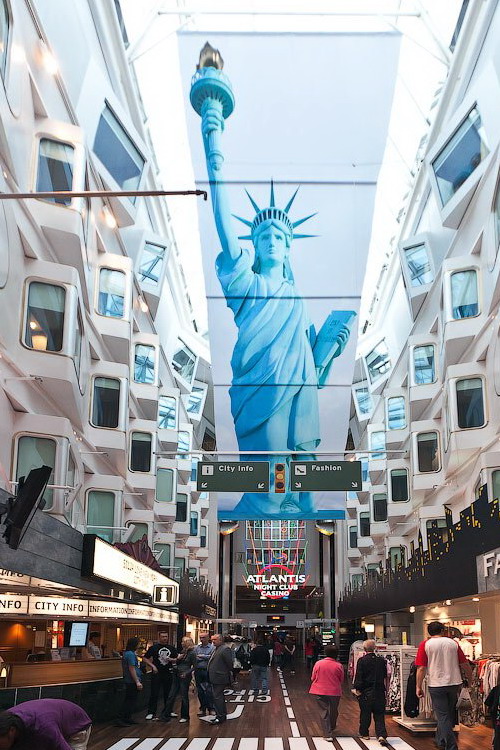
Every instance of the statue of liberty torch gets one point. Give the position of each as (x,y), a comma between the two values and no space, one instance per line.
(278,362)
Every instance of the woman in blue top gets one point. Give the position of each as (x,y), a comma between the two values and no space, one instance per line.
(132,677)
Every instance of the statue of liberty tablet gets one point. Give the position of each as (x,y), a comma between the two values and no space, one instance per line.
(279,361)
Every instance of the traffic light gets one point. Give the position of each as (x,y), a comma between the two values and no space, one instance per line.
(279,478)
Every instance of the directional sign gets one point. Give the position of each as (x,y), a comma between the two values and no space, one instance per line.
(233,476)
(308,476)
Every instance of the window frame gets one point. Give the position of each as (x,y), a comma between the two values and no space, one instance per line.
(151,452)
(126,295)
(120,400)
(439,451)
(384,375)
(456,415)
(56,440)
(113,530)
(64,333)
(147,280)
(416,241)
(176,400)
(174,484)
(176,372)
(390,488)
(154,381)
(187,508)
(133,141)
(362,416)
(414,381)
(450,318)
(405,412)
(374,499)
(363,516)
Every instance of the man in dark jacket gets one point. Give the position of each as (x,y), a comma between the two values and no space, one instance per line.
(260,659)
(220,676)
(370,687)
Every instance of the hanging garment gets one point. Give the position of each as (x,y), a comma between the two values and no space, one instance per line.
(412,703)
(493,703)
(394,690)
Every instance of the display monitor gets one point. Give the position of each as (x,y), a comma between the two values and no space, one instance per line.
(76,634)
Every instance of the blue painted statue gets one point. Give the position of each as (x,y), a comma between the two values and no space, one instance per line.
(279,361)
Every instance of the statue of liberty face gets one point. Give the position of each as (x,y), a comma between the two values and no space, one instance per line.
(272,245)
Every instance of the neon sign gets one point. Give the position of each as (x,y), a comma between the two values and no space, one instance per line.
(276,581)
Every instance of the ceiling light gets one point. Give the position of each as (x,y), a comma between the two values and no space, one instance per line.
(475,599)
(448,602)
(143,305)
(49,61)
(109,218)
(412,609)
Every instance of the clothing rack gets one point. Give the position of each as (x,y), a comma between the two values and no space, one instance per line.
(419,723)
(383,649)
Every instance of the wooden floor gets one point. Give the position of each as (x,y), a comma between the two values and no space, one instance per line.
(288,720)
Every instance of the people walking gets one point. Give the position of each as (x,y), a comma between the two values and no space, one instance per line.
(309,652)
(132,677)
(185,663)
(326,684)
(289,655)
(278,653)
(446,665)
(370,687)
(260,660)
(160,657)
(45,724)
(203,652)
(220,675)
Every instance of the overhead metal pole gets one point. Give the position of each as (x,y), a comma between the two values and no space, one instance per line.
(47,194)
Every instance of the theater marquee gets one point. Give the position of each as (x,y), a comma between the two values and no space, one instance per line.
(276,581)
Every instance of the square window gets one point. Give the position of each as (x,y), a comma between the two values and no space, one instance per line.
(45,317)
(101,514)
(181,508)
(464,294)
(428,452)
(364,524)
(470,405)
(380,507)
(55,169)
(106,402)
(164,485)
(424,367)
(111,293)
(399,485)
(418,264)
(396,413)
(116,150)
(378,362)
(167,413)
(140,451)
(463,153)
(144,363)
(151,264)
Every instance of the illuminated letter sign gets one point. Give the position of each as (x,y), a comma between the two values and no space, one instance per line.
(276,581)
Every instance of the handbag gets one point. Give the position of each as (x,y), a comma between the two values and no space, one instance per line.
(464,702)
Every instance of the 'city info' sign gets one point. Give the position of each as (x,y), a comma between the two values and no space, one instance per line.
(105,561)
(276,581)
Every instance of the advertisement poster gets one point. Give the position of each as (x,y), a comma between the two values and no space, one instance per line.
(277,130)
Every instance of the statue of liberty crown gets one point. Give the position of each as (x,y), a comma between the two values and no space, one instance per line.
(274,213)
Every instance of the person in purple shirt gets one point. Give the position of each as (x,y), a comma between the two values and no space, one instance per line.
(45,724)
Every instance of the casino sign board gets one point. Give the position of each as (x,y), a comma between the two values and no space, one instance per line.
(276,581)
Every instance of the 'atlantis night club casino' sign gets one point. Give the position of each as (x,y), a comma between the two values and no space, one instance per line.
(276,581)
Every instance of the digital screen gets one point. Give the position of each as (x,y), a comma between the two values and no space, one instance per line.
(78,633)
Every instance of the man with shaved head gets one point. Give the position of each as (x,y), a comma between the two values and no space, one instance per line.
(370,687)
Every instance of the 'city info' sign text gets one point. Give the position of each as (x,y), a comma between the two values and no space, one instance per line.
(105,561)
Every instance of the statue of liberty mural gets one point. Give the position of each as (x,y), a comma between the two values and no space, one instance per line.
(279,361)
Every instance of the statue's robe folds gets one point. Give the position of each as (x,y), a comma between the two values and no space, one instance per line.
(274,394)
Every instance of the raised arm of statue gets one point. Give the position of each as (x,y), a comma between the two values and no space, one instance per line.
(212,124)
